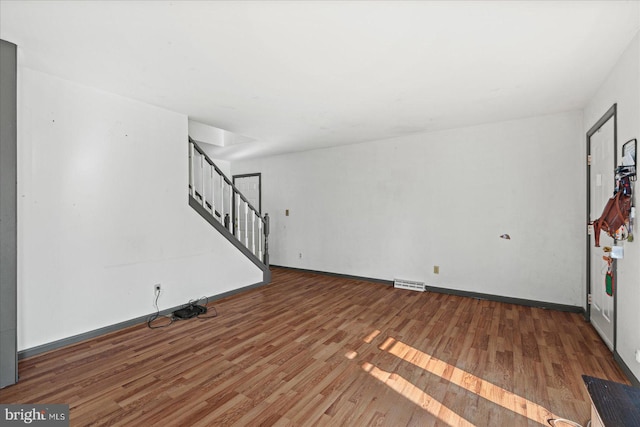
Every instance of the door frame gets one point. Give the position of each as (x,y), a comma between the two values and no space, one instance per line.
(233,201)
(248,175)
(610,114)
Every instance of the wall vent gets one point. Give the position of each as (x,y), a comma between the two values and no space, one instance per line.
(408,284)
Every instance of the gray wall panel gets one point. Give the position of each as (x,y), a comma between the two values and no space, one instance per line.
(8,214)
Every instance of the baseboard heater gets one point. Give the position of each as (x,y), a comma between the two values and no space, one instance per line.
(408,284)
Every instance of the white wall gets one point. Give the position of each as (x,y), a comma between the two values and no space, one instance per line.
(104,215)
(623,87)
(395,208)
(208,138)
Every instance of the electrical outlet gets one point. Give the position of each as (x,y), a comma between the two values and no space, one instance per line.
(436,269)
(300,255)
(638,355)
(157,288)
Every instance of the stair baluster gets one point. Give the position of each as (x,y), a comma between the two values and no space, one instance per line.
(203,174)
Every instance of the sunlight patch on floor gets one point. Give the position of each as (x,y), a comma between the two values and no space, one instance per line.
(371,336)
(472,383)
(400,385)
(454,375)
(350,355)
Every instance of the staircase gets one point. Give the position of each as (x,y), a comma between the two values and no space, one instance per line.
(219,202)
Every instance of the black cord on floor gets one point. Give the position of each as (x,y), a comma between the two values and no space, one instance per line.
(156,315)
(172,318)
(209,309)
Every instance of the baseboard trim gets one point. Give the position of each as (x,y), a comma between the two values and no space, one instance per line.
(343,276)
(54,345)
(625,369)
(509,300)
(475,295)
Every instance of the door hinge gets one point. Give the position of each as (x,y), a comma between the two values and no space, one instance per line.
(589,299)
(589,160)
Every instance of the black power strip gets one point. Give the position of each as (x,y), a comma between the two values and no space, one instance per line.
(188,311)
(191,310)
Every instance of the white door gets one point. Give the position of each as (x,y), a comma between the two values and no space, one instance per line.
(601,185)
(249,186)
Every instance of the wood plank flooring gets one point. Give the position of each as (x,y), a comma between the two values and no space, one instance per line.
(311,349)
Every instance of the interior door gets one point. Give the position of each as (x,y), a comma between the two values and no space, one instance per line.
(601,185)
(250,187)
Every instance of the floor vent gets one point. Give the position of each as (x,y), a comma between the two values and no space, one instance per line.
(408,284)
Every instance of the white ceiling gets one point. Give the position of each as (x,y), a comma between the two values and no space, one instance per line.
(303,75)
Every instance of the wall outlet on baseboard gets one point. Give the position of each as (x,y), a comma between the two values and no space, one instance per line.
(436,269)
(300,255)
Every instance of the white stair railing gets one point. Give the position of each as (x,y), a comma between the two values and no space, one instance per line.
(210,188)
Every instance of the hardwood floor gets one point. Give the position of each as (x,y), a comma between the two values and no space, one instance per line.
(318,350)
